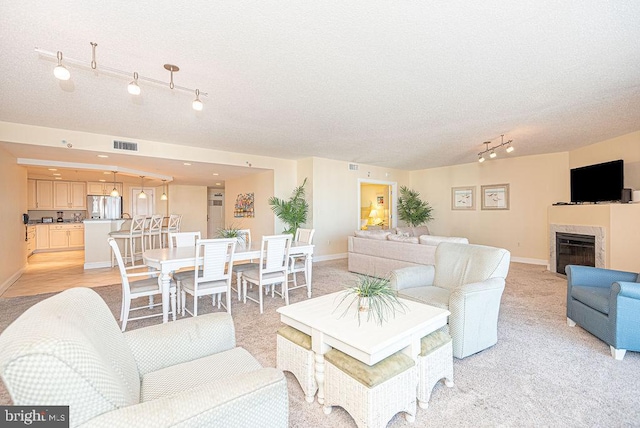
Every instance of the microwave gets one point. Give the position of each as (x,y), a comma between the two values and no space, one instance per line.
(47,219)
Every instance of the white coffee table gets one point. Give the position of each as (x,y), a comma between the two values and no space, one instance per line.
(368,342)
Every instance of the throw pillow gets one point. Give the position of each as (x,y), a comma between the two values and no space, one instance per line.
(413,231)
(402,238)
(435,240)
(372,234)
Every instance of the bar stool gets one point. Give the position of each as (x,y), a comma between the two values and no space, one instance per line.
(153,232)
(173,226)
(135,231)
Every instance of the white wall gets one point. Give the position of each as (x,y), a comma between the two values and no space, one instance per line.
(191,202)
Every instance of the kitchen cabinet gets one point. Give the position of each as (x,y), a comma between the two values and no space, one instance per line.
(42,237)
(99,188)
(44,195)
(66,236)
(32,200)
(70,195)
(31,239)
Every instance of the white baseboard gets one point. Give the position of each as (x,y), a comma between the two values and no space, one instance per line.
(530,261)
(9,281)
(96,265)
(330,257)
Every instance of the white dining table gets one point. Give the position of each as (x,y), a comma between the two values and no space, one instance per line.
(168,260)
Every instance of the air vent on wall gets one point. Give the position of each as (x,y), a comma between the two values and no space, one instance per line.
(353,167)
(125,145)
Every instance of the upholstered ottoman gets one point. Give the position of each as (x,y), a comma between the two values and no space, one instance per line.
(435,362)
(294,355)
(372,395)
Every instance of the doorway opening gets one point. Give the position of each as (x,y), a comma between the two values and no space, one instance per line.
(215,212)
(376,204)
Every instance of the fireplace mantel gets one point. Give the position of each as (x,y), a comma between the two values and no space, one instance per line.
(616,228)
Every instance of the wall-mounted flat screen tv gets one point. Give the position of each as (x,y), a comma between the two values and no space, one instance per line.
(602,182)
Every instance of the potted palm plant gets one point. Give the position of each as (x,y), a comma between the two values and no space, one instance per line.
(293,212)
(411,209)
(371,296)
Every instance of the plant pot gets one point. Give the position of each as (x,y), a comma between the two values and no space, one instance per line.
(363,304)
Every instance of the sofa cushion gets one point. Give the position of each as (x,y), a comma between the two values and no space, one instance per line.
(412,231)
(433,296)
(403,238)
(435,240)
(372,234)
(594,297)
(174,379)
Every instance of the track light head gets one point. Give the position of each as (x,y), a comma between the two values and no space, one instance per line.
(133,87)
(197,104)
(61,71)
(492,154)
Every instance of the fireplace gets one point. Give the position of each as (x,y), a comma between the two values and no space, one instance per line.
(574,249)
(596,232)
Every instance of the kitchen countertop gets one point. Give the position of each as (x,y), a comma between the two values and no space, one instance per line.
(36,223)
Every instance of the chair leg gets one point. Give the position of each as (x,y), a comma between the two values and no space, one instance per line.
(244,291)
(285,292)
(195,304)
(239,284)
(127,305)
(618,354)
(261,298)
(184,299)
(228,296)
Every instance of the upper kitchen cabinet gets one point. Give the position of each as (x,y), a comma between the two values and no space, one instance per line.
(70,195)
(32,200)
(44,195)
(99,188)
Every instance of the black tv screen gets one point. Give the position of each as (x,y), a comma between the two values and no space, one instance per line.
(598,183)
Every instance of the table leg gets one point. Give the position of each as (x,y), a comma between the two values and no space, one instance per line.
(166,290)
(320,376)
(308,265)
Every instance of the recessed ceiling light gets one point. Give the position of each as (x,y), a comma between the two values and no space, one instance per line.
(103,156)
(107,173)
(56,173)
(53,169)
(102,181)
(187,164)
(218,184)
(58,178)
(215,173)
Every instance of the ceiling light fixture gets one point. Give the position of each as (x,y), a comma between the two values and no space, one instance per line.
(62,73)
(492,150)
(142,195)
(164,193)
(133,87)
(197,104)
(114,192)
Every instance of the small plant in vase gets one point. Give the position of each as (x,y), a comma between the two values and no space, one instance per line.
(372,296)
(231,231)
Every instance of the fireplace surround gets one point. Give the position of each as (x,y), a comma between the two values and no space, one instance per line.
(578,232)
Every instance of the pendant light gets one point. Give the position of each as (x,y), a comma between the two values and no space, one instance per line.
(114,192)
(61,71)
(197,104)
(164,193)
(133,87)
(142,195)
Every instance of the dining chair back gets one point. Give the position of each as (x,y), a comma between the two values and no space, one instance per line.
(148,286)
(173,225)
(272,268)
(183,239)
(130,236)
(153,232)
(211,274)
(298,263)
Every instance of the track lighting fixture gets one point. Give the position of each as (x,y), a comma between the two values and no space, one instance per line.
(62,73)
(197,104)
(492,150)
(133,87)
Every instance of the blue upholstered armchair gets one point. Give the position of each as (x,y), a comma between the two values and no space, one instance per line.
(606,303)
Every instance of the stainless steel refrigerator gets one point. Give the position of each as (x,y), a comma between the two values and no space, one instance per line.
(104,207)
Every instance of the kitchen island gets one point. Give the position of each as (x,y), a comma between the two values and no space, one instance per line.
(97,252)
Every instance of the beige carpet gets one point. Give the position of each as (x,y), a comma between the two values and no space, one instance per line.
(541,372)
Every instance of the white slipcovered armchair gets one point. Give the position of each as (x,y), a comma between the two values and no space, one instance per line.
(68,350)
(466,279)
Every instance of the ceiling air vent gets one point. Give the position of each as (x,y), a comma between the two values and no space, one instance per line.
(125,145)
(353,167)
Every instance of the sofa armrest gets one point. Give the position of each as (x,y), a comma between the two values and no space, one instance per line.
(172,343)
(251,399)
(596,277)
(626,289)
(413,276)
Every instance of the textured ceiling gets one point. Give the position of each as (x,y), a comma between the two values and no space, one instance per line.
(406,85)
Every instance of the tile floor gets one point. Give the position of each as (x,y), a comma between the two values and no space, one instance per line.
(57,271)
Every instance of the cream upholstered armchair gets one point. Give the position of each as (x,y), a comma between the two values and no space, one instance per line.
(466,279)
(68,350)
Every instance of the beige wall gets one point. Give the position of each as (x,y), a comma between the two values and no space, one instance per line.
(535,182)
(261,185)
(13,188)
(191,202)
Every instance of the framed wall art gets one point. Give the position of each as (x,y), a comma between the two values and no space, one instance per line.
(244,206)
(495,197)
(463,198)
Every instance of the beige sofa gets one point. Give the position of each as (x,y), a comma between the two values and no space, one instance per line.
(377,253)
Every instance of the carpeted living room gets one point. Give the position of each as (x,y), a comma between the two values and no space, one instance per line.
(541,372)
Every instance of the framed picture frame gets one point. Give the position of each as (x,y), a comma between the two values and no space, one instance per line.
(495,197)
(463,198)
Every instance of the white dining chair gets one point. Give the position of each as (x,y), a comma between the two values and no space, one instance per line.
(173,225)
(153,232)
(272,268)
(130,237)
(182,239)
(211,275)
(149,286)
(298,263)
(244,240)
